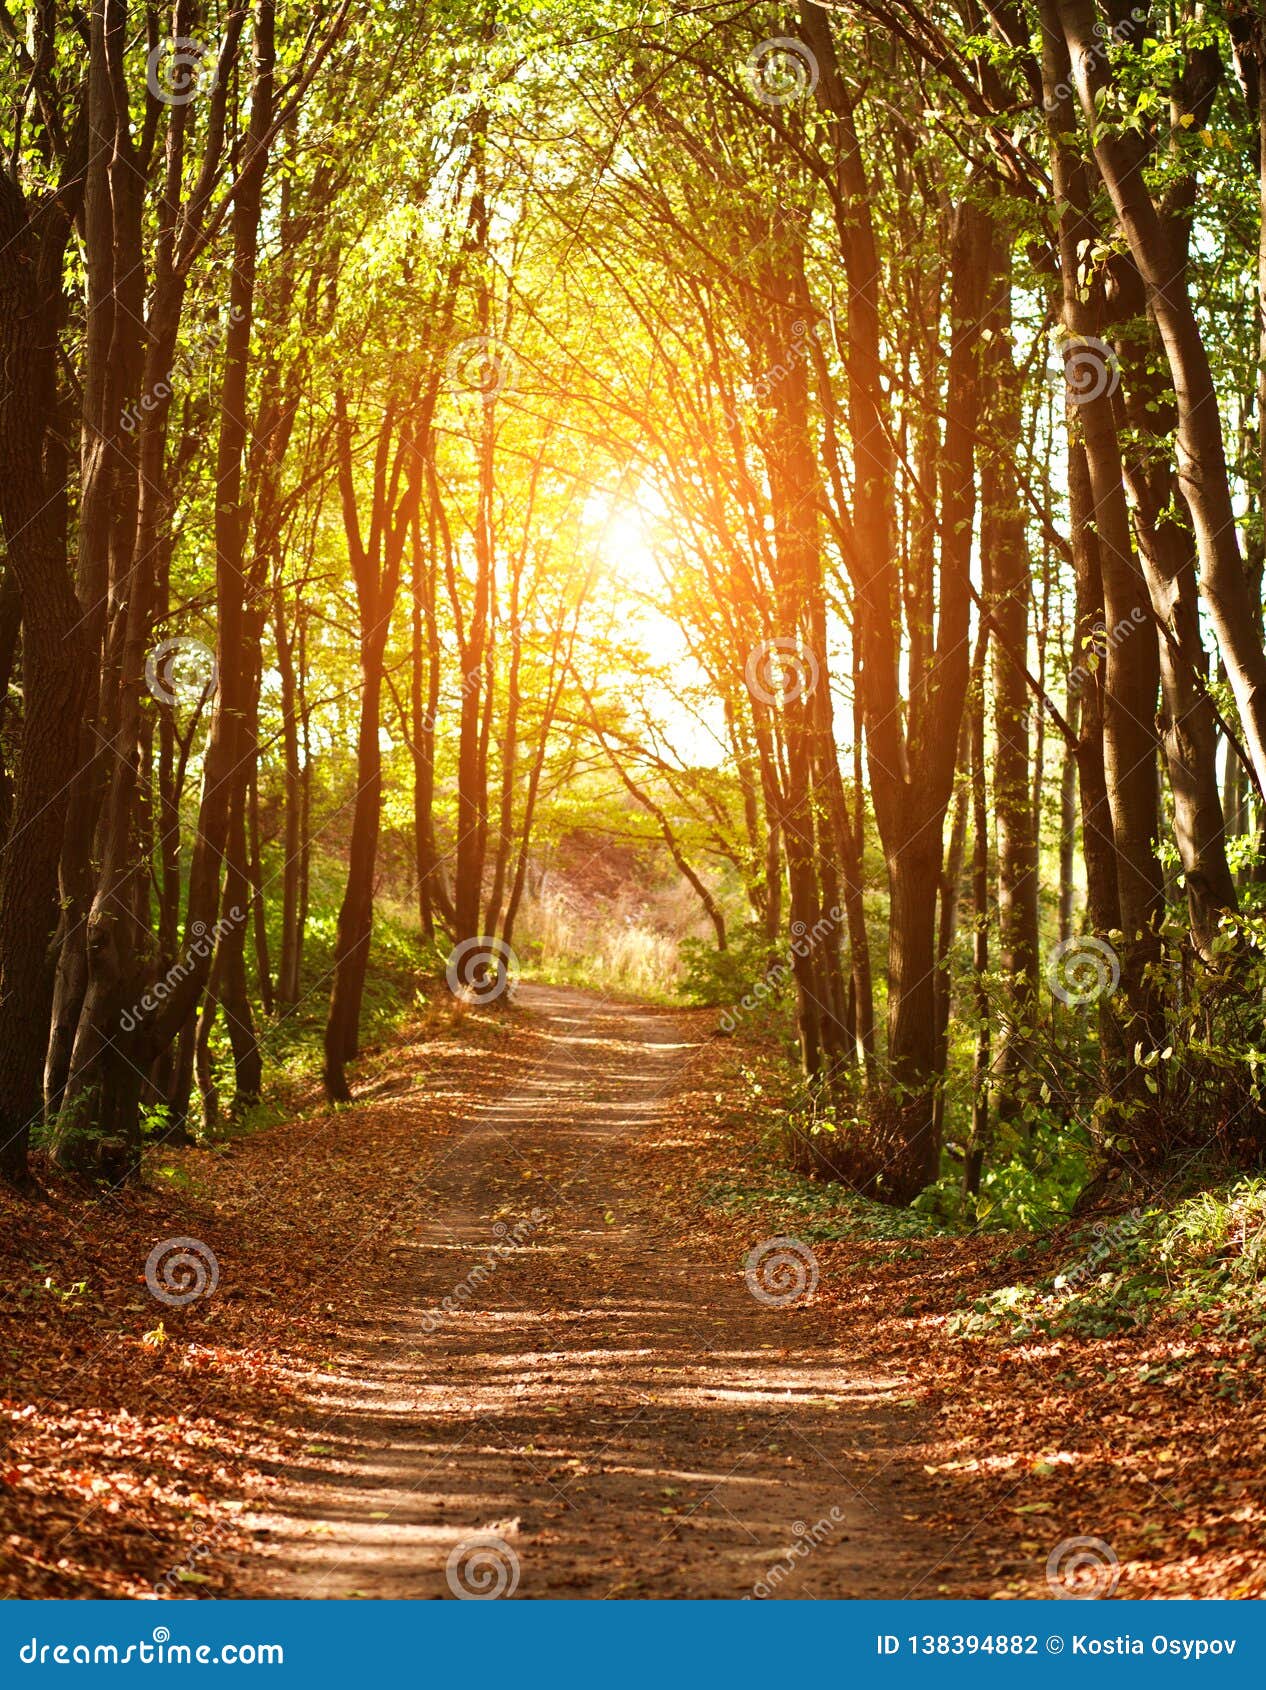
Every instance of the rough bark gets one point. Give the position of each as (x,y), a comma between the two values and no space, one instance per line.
(911,732)
(1125,649)
(376,562)
(55,659)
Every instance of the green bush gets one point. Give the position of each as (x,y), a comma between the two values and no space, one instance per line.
(750,967)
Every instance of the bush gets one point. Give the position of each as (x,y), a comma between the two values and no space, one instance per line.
(750,967)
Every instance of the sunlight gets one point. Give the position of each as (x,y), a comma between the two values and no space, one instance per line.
(627,530)
(625,525)
(626,547)
(632,715)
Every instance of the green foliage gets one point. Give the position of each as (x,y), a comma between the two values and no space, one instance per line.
(1034,1187)
(746,969)
(403,974)
(64,1295)
(816,1210)
(1204,1257)
(155,1119)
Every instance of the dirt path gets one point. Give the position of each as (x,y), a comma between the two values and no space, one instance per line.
(602,1410)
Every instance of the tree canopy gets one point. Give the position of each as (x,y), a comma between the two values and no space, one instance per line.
(759,505)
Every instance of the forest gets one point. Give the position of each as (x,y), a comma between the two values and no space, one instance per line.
(632,798)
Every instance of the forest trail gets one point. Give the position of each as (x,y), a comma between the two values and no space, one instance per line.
(607,1399)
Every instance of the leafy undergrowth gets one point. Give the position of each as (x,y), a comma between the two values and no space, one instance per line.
(1121,1400)
(290,1041)
(138,1435)
(816,1210)
(1203,1257)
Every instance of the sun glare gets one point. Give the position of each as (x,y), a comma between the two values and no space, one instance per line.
(626,547)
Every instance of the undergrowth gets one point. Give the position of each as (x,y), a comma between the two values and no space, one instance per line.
(815,1210)
(1194,1246)
(1202,1257)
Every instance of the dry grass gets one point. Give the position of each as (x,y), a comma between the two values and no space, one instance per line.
(629,948)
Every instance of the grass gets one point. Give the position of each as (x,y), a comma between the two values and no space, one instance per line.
(816,1210)
(1202,1257)
(1195,1249)
(629,952)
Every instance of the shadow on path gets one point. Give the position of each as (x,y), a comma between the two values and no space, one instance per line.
(603,1408)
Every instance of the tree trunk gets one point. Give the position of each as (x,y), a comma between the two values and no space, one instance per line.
(356,913)
(1202,468)
(56,671)
(222,758)
(1005,563)
(291,926)
(981,1130)
(376,568)
(1124,648)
